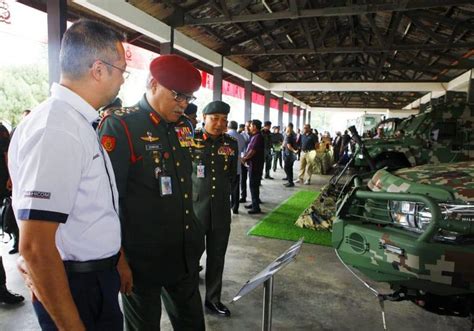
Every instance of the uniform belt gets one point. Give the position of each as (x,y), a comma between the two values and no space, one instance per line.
(93,265)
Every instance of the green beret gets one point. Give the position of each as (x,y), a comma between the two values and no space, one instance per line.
(216,107)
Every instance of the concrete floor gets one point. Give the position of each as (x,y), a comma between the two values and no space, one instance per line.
(315,292)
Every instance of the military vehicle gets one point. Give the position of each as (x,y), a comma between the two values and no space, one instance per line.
(364,123)
(443,133)
(389,126)
(414,229)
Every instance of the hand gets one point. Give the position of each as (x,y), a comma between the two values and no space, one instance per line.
(24,272)
(126,277)
(9,184)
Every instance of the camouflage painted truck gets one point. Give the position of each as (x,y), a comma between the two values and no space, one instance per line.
(414,229)
(443,134)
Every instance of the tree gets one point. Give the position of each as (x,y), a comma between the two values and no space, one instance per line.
(21,87)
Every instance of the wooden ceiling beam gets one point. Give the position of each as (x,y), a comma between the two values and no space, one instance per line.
(405,5)
(342,50)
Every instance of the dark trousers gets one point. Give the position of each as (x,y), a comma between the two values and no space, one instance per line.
(96,297)
(254,185)
(289,160)
(217,239)
(182,300)
(235,193)
(243,182)
(268,162)
(3,277)
(277,159)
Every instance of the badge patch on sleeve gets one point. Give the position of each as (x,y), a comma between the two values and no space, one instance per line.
(37,195)
(108,142)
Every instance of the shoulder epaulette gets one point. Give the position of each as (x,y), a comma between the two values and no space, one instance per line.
(122,111)
(229,137)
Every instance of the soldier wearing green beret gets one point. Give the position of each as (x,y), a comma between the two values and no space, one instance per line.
(214,167)
(161,238)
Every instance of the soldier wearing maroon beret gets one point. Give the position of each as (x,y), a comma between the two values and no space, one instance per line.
(148,145)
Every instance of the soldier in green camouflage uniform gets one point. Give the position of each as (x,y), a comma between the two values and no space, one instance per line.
(214,167)
(149,148)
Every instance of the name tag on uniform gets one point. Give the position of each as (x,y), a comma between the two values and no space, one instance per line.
(165,186)
(201,171)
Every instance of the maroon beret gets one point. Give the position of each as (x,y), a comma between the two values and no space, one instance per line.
(176,73)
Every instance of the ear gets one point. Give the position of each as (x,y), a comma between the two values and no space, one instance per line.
(97,70)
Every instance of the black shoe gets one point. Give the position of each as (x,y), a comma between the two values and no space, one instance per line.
(284,178)
(268,177)
(254,211)
(248,206)
(235,211)
(260,202)
(289,184)
(10,298)
(243,200)
(218,308)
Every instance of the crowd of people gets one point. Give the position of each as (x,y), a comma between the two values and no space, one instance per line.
(130,203)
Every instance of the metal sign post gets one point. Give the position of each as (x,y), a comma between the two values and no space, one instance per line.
(265,277)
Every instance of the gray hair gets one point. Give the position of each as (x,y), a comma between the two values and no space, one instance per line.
(85,42)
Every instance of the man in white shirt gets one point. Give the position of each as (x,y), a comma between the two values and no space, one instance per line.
(64,193)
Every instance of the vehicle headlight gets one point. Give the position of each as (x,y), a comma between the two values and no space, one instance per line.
(416,217)
(403,213)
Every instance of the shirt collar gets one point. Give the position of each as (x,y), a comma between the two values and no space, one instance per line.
(75,101)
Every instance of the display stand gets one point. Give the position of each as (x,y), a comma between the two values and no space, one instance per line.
(266,277)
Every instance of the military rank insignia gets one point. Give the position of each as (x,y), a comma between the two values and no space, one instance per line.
(108,142)
(185,136)
(149,137)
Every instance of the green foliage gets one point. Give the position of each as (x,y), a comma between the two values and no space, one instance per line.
(21,87)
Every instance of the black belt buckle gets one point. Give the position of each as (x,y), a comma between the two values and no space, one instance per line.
(108,263)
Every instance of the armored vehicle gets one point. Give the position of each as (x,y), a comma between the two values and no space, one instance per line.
(414,229)
(443,133)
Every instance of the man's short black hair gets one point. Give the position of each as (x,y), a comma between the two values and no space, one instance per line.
(267,123)
(257,123)
(241,126)
(232,125)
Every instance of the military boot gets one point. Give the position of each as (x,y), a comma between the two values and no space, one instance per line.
(6,296)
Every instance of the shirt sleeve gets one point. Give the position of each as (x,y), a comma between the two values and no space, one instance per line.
(48,175)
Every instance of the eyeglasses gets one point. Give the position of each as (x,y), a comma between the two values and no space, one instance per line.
(125,73)
(180,97)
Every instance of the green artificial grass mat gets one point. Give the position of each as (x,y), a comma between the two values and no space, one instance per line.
(280,223)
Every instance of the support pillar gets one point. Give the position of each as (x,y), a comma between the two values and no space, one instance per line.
(266,106)
(167,48)
(217,88)
(248,100)
(280,113)
(290,114)
(57,18)
(298,122)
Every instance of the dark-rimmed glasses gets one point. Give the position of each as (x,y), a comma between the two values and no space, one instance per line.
(180,97)
(125,73)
